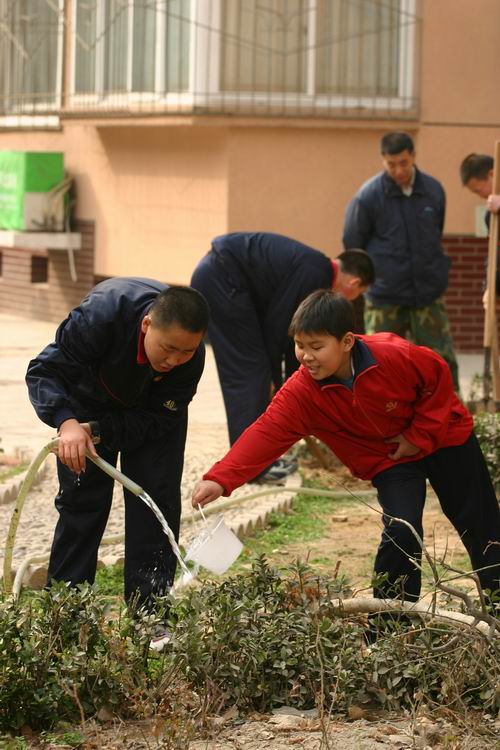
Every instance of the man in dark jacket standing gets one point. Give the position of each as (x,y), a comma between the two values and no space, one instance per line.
(398,218)
(124,366)
(253,283)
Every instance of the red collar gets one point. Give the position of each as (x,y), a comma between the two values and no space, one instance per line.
(335,266)
(141,352)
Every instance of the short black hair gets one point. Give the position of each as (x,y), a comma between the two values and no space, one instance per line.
(358,263)
(476,166)
(394,143)
(183,306)
(323,311)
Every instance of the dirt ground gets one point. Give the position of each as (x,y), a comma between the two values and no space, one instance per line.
(288,728)
(352,534)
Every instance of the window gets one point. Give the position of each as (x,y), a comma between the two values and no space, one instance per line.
(263,45)
(30,55)
(39,269)
(315,53)
(249,56)
(358,46)
(131,47)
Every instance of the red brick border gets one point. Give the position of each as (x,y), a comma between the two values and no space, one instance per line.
(465,290)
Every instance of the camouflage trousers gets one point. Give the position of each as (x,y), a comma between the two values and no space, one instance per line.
(425,326)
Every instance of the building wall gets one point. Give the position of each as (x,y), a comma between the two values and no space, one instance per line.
(51,300)
(158,189)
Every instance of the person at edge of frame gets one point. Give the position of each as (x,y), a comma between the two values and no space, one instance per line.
(388,410)
(123,368)
(397,216)
(476,174)
(253,282)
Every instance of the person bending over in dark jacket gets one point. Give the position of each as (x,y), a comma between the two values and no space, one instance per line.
(253,283)
(124,366)
(476,173)
(398,218)
(387,409)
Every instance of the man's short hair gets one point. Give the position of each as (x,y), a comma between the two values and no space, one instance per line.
(183,306)
(476,166)
(358,263)
(323,311)
(394,143)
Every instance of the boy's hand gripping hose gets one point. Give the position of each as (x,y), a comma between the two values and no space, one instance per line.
(25,488)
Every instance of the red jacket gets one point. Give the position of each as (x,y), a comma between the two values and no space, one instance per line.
(399,388)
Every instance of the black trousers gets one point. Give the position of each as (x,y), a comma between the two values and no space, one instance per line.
(460,478)
(237,339)
(84,504)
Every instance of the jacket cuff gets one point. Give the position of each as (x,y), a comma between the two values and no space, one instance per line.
(61,416)
(107,430)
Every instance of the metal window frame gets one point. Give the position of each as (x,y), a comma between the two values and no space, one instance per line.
(204,93)
(30,115)
(101,99)
(210,25)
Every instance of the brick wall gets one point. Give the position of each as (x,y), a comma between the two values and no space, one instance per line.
(465,290)
(50,300)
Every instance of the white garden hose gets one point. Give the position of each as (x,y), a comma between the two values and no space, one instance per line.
(14,587)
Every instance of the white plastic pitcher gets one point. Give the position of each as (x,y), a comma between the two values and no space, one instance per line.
(216,548)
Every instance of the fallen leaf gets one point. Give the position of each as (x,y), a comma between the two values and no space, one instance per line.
(355,713)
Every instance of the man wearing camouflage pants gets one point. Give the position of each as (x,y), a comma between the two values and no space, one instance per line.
(397,217)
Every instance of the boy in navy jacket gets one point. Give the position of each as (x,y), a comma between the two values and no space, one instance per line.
(387,409)
(253,283)
(124,366)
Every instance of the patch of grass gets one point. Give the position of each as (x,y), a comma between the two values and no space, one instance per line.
(7,472)
(110,580)
(304,523)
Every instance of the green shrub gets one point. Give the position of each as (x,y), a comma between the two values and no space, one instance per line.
(257,640)
(64,654)
(487,428)
(262,639)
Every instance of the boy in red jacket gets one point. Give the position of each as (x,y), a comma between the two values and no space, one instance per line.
(388,410)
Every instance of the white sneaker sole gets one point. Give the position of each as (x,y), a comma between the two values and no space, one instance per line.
(158,644)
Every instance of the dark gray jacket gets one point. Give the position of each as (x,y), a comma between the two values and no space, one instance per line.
(403,237)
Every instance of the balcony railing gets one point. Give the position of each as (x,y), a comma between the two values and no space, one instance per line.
(320,58)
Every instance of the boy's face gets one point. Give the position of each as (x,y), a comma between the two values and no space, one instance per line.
(349,286)
(170,347)
(324,355)
(481,187)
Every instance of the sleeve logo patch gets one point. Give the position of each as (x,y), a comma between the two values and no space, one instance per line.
(391,405)
(170,405)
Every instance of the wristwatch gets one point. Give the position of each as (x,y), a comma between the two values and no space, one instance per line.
(95,431)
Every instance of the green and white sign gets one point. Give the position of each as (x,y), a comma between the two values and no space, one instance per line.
(26,179)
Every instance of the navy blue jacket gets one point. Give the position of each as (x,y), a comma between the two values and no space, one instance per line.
(279,273)
(90,371)
(403,237)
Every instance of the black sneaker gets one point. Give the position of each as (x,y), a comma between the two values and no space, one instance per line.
(277,472)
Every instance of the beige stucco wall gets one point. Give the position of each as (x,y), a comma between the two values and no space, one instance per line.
(298,181)
(159,190)
(460,98)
